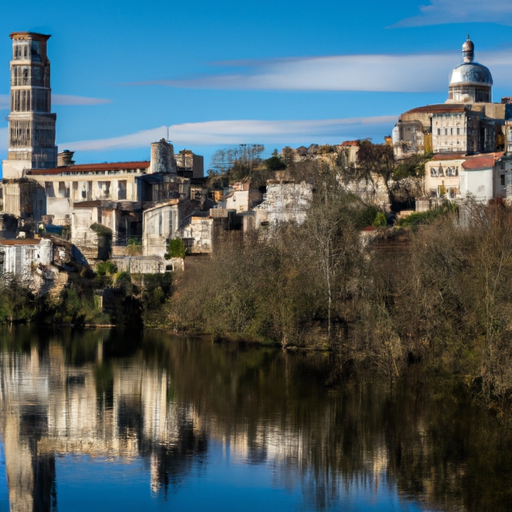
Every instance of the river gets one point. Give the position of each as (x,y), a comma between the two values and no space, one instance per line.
(105,420)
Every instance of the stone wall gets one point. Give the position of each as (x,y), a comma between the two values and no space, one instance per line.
(147,264)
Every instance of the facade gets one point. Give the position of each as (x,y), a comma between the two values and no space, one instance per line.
(477,179)
(198,233)
(284,202)
(241,197)
(458,176)
(503,178)
(443,176)
(147,264)
(468,122)
(21,256)
(189,165)
(31,128)
(159,224)
(54,192)
(349,149)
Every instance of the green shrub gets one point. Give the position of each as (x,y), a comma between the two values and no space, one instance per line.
(106,268)
(380,220)
(175,249)
(418,218)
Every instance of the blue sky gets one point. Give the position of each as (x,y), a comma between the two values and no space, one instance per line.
(217,74)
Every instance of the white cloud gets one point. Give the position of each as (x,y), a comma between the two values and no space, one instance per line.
(4,102)
(367,73)
(440,12)
(245,131)
(62,99)
(59,99)
(3,139)
(383,73)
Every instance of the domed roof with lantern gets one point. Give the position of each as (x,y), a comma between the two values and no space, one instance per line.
(470,72)
(470,81)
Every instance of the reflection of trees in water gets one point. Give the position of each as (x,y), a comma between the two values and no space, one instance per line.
(426,436)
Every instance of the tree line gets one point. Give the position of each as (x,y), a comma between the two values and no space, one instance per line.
(437,293)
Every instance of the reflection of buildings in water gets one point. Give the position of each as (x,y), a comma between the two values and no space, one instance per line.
(48,407)
(127,409)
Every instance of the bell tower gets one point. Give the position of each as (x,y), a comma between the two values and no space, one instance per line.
(31,123)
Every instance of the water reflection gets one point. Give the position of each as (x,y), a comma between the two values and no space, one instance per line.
(196,418)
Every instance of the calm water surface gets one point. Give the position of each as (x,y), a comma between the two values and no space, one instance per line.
(105,421)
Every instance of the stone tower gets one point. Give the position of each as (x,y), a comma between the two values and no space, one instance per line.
(31,123)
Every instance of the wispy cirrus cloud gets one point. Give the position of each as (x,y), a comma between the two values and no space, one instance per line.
(3,139)
(63,99)
(59,99)
(246,131)
(366,73)
(441,12)
(382,73)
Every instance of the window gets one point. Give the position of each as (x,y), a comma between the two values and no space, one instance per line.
(48,189)
(121,193)
(63,191)
(502,180)
(104,187)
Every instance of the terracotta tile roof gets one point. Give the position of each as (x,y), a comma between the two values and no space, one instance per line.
(115,166)
(442,108)
(350,143)
(21,241)
(449,156)
(481,162)
(87,204)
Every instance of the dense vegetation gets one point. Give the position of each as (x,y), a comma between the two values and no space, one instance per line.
(439,293)
(104,297)
(436,289)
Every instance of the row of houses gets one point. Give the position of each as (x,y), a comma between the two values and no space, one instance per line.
(128,211)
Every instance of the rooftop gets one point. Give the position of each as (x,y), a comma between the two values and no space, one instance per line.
(482,161)
(21,241)
(115,166)
(441,108)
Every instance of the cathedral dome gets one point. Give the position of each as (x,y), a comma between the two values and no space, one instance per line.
(470,82)
(470,72)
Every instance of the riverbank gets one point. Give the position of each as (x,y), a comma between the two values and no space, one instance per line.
(438,295)
(161,417)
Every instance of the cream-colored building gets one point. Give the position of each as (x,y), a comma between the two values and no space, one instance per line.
(458,176)
(468,122)
(159,224)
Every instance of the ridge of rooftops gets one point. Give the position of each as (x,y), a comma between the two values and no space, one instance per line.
(479,161)
(84,168)
(21,241)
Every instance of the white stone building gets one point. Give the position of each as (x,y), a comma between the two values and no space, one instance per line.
(22,256)
(159,224)
(284,202)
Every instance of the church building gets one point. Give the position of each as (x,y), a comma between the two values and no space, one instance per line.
(467,123)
